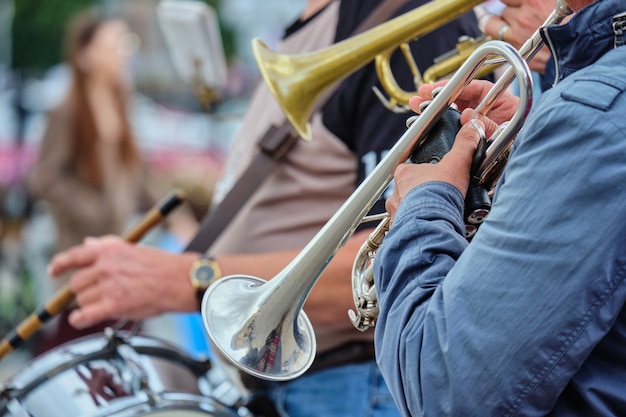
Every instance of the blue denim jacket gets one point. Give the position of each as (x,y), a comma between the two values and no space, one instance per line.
(528,319)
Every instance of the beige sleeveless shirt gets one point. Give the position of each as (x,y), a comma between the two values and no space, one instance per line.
(307,187)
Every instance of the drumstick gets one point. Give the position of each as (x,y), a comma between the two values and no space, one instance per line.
(64,296)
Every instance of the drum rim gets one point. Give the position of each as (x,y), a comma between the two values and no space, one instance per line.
(174,401)
(39,370)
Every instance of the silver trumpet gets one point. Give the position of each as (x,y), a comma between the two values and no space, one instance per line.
(259,326)
(363,289)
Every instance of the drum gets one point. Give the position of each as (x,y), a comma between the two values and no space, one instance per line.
(117,374)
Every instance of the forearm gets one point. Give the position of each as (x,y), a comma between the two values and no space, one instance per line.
(115,279)
(330,298)
(417,253)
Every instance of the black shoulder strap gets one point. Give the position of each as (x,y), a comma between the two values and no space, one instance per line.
(273,146)
(380,14)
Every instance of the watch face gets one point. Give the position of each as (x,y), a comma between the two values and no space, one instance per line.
(204,273)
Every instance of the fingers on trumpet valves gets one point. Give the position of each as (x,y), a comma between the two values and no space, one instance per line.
(422,106)
(411,120)
(436,91)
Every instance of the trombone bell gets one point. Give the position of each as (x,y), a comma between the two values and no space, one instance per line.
(281,73)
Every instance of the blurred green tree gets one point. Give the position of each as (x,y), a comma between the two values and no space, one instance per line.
(37,32)
(227,32)
(39,25)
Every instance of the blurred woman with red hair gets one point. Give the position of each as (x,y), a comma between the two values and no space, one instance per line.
(89,169)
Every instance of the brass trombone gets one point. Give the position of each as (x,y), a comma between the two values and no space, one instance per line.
(259,326)
(298,81)
(444,66)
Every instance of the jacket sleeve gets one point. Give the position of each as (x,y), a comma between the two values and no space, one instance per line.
(504,325)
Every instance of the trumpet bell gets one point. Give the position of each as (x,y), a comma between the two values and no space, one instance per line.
(275,347)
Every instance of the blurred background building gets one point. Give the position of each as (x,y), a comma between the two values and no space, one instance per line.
(184,143)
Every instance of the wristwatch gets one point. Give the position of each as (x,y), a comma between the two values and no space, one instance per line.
(203,272)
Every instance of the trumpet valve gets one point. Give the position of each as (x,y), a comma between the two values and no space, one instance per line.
(365,316)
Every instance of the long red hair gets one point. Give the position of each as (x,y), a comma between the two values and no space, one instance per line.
(84,134)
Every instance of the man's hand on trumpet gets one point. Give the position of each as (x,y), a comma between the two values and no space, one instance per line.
(502,110)
(454,167)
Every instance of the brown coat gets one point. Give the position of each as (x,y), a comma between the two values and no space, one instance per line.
(79,209)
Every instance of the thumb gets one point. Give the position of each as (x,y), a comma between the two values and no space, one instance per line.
(461,157)
(465,144)
(490,126)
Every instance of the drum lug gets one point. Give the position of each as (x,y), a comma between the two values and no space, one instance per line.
(130,356)
(15,409)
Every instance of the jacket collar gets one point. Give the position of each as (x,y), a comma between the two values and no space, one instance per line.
(585,38)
